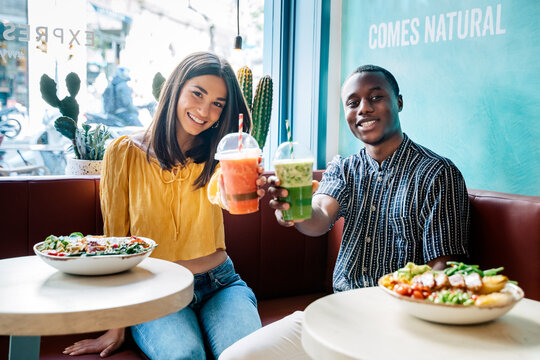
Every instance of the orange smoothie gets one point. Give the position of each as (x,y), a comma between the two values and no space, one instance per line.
(239,177)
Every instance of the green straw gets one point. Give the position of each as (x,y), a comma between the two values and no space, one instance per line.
(289,136)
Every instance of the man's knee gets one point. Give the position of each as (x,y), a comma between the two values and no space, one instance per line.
(278,340)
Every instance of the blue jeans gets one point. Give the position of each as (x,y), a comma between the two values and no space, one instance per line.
(223,310)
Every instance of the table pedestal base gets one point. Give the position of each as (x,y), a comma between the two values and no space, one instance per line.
(24,347)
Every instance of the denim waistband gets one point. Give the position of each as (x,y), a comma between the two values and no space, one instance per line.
(224,267)
(207,283)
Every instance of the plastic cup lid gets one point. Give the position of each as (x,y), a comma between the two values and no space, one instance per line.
(299,152)
(228,147)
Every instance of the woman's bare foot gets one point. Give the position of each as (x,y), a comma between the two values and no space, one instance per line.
(105,345)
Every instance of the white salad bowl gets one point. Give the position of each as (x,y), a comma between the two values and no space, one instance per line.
(95,265)
(455,314)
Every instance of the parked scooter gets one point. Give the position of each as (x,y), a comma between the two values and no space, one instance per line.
(111,119)
(17,158)
(9,126)
(119,126)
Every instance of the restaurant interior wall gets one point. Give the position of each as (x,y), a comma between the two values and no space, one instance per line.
(469,75)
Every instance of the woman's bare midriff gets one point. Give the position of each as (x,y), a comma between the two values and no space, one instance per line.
(205,263)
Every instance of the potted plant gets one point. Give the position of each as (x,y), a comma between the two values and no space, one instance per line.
(88,143)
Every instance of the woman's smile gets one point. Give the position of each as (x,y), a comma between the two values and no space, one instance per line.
(195,119)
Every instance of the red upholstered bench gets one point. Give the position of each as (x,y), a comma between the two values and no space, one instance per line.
(286,269)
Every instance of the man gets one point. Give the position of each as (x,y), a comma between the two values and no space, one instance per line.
(117,99)
(401,202)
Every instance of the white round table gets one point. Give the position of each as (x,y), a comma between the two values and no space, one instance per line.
(369,324)
(37,299)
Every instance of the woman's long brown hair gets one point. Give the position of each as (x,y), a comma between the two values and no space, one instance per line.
(163,129)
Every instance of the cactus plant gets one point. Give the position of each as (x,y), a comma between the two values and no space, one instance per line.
(245,79)
(261,105)
(262,109)
(86,144)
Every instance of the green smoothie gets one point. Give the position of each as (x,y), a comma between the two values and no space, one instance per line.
(296,175)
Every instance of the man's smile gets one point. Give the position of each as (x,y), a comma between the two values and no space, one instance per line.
(366,124)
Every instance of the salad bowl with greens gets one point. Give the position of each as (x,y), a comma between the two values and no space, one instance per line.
(93,255)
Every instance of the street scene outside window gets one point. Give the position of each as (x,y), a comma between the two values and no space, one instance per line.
(75,74)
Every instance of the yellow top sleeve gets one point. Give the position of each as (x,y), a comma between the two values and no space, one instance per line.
(139,198)
(215,194)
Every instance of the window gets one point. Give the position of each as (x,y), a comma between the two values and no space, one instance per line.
(98,39)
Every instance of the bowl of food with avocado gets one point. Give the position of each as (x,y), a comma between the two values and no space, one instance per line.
(459,294)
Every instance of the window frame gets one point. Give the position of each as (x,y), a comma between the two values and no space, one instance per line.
(296,54)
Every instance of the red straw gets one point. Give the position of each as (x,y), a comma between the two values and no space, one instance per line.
(240,128)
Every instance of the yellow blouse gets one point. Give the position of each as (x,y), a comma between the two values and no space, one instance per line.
(140,198)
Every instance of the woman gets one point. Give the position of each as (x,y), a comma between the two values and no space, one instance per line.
(154,184)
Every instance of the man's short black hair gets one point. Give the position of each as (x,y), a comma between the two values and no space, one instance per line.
(387,74)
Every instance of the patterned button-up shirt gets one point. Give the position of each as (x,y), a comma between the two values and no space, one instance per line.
(413,207)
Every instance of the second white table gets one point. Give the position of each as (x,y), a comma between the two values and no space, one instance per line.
(369,324)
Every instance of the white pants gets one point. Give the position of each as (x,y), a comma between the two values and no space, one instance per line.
(280,340)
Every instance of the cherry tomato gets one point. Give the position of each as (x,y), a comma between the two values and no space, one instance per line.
(138,241)
(403,289)
(417,294)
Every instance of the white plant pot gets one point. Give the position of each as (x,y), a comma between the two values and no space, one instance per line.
(83,167)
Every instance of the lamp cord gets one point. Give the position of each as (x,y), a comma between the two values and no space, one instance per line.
(238,16)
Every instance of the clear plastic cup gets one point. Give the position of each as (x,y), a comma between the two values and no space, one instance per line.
(295,172)
(240,172)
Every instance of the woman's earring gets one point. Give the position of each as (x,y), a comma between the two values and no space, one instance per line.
(216,125)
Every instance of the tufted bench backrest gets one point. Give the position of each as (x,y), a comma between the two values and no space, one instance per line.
(275,261)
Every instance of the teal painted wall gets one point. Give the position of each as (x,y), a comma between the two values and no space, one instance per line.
(472,95)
